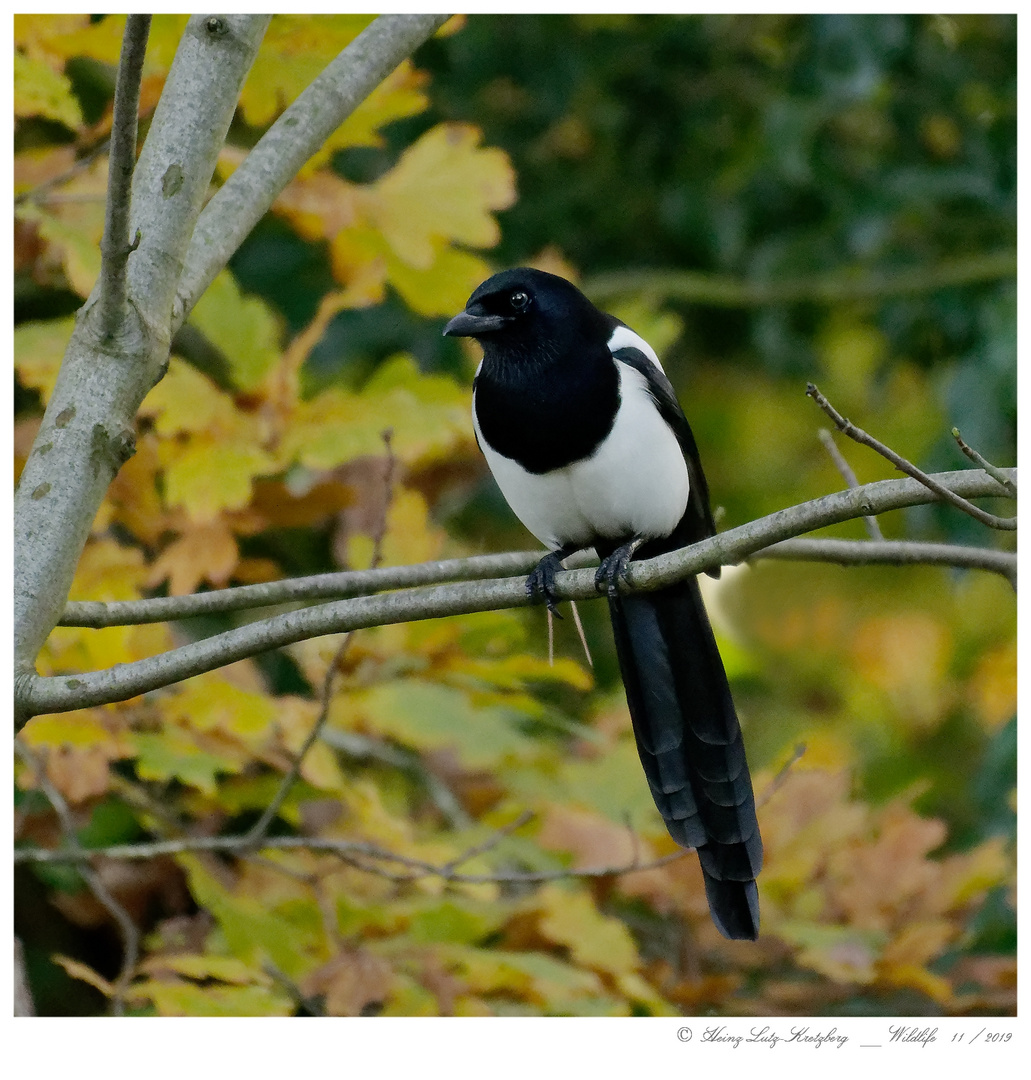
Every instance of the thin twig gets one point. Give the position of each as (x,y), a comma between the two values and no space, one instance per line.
(992,470)
(893,553)
(364,746)
(355,852)
(296,994)
(858,435)
(490,843)
(38,194)
(261,826)
(115,247)
(81,857)
(782,775)
(873,528)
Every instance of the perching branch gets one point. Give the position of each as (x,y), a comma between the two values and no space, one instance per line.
(860,436)
(298,134)
(335,586)
(114,247)
(37,694)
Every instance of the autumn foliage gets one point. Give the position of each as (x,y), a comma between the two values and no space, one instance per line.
(455,745)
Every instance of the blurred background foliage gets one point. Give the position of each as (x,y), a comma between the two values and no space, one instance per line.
(769,200)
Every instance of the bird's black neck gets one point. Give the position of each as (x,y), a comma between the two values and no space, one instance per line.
(546,408)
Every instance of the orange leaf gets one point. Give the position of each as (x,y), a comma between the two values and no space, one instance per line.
(202,553)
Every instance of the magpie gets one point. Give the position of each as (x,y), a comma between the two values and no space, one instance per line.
(590,447)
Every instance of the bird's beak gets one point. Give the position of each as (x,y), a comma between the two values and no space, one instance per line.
(465,324)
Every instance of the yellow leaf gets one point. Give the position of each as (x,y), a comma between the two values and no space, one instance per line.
(241,326)
(428,414)
(102,40)
(319,206)
(179,998)
(919,943)
(442,189)
(34,32)
(293,53)
(919,978)
(210,703)
(411,536)
(595,941)
(73,239)
(209,475)
(443,287)
(133,499)
(993,687)
(38,351)
(187,400)
(200,966)
(81,728)
(82,972)
(41,91)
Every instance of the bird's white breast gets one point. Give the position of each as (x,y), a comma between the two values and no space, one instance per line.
(634,484)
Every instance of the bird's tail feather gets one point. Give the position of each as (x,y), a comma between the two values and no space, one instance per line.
(690,743)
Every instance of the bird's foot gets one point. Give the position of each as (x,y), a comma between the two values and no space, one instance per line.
(540,583)
(614,567)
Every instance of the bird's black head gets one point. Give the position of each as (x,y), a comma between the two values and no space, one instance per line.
(529,311)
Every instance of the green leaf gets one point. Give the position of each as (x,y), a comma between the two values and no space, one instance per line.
(242,327)
(173,755)
(434,717)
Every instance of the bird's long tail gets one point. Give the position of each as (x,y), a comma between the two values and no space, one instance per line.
(690,744)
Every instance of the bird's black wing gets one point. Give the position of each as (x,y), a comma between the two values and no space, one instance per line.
(697,522)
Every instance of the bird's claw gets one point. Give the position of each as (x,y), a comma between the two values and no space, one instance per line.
(614,567)
(540,583)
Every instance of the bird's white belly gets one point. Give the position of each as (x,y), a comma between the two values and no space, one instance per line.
(634,484)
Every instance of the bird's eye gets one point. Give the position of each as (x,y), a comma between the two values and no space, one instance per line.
(518,300)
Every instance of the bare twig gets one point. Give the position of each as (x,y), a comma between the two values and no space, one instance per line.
(894,553)
(490,843)
(38,694)
(39,193)
(81,857)
(992,470)
(843,467)
(303,1003)
(363,746)
(115,247)
(782,774)
(860,436)
(355,852)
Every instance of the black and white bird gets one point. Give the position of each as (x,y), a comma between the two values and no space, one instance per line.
(587,441)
